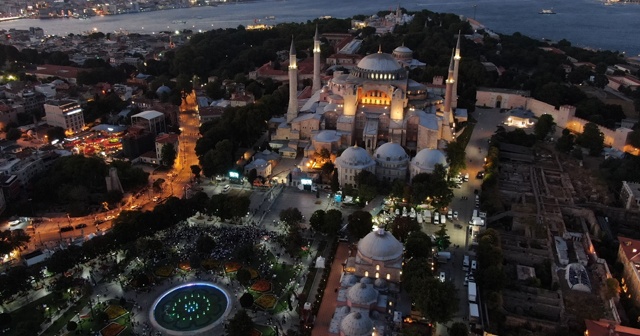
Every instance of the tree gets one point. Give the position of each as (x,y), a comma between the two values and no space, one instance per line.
(253,175)
(291,216)
(592,139)
(565,142)
(459,329)
(71,325)
(418,245)
(434,185)
(195,170)
(240,325)
(611,288)
(332,221)
(360,223)
(168,155)
(436,300)
(246,300)
(544,125)
(442,238)
(13,239)
(456,157)
(634,138)
(243,276)
(402,227)
(335,184)
(317,220)
(13,134)
(205,244)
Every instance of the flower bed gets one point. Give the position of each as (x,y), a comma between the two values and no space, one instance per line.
(114,311)
(261,286)
(266,301)
(256,332)
(112,329)
(231,267)
(185,265)
(209,264)
(164,271)
(254,273)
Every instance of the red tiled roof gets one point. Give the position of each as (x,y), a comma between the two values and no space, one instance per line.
(167,138)
(631,248)
(304,67)
(57,70)
(609,328)
(211,111)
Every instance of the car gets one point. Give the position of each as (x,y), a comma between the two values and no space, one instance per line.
(226,188)
(442,277)
(156,198)
(474,265)
(135,207)
(480,175)
(81,226)
(450,214)
(455,215)
(66,228)
(466,280)
(457,226)
(98,221)
(219,178)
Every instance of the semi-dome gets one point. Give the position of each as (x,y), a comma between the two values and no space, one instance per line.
(391,151)
(327,136)
(402,49)
(427,159)
(356,324)
(380,245)
(362,294)
(355,158)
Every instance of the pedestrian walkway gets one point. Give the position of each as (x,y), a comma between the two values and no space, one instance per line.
(330,298)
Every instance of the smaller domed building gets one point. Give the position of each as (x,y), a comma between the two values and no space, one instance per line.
(353,161)
(426,160)
(368,292)
(391,162)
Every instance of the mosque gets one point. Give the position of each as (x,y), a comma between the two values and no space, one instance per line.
(376,109)
(367,302)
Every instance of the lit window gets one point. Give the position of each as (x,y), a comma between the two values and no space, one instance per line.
(366,273)
(377,275)
(377,267)
(388,276)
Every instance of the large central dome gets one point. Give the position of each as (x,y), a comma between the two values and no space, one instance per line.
(379,62)
(379,66)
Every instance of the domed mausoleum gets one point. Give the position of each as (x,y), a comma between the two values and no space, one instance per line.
(356,324)
(351,162)
(426,160)
(391,162)
(379,256)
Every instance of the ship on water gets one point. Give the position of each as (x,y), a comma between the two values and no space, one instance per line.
(547,11)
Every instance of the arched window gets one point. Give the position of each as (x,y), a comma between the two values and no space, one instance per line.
(377,275)
(366,273)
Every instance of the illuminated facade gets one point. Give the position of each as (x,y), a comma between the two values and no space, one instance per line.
(66,114)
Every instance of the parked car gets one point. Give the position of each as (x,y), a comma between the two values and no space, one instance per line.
(474,265)
(442,277)
(81,226)
(66,228)
(455,215)
(480,175)
(226,188)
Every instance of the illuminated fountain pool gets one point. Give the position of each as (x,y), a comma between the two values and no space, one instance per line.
(190,309)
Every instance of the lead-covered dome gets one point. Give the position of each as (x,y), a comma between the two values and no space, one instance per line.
(427,159)
(356,324)
(379,66)
(327,136)
(391,151)
(380,245)
(402,53)
(362,294)
(355,158)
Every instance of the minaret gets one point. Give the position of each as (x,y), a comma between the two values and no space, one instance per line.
(398,14)
(292,110)
(317,84)
(447,133)
(456,60)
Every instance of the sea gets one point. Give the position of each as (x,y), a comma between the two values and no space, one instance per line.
(585,23)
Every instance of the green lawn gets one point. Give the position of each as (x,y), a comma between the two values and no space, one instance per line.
(27,320)
(265,330)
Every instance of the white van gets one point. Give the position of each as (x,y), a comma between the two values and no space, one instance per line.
(226,189)
(475,213)
(465,263)
(443,219)
(436,219)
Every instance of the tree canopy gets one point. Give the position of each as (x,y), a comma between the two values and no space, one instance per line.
(360,224)
(592,139)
